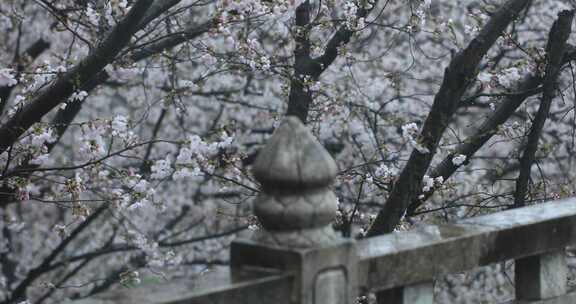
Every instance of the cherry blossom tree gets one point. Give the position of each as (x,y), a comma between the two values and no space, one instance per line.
(128,128)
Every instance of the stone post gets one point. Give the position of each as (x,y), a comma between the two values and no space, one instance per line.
(296,208)
(541,276)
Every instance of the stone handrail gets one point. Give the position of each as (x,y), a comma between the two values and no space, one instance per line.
(534,236)
(217,287)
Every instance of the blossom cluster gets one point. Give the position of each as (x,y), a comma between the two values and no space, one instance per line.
(410,134)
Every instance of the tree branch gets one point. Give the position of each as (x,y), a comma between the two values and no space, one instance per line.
(458,76)
(190,33)
(488,128)
(156,9)
(309,69)
(340,38)
(63,87)
(555,52)
(19,293)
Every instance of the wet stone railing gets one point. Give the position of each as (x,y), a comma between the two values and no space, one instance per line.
(297,258)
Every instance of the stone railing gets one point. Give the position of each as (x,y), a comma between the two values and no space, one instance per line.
(298,259)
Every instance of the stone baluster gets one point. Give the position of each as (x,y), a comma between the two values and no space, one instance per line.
(541,277)
(296,208)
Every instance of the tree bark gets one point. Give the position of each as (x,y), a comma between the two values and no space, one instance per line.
(459,74)
(555,52)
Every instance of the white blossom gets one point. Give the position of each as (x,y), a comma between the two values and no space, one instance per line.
(439,180)
(186,84)
(161,169)
(123,4)
(7,78)
(92,141)
(509,76)
(92,14)
(185,172)
(119,125)
(428,183)
(78,96)
(410,134)
(19,99)
(41,159)
(384,172)
(42,137)
(264,63)
(458,159)
(485,77)
(108,15)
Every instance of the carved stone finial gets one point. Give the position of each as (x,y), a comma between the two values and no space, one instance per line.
(295,206)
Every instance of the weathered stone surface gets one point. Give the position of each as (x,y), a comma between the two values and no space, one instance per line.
(328,287)
(397,262)
(294,158)
(404,258)
(542,276)
(219,287)
(296,206)
(301,238)
(569,298)
(420,293)
(295,211)
(338,259)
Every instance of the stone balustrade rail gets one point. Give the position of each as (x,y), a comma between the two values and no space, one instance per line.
(297,258)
